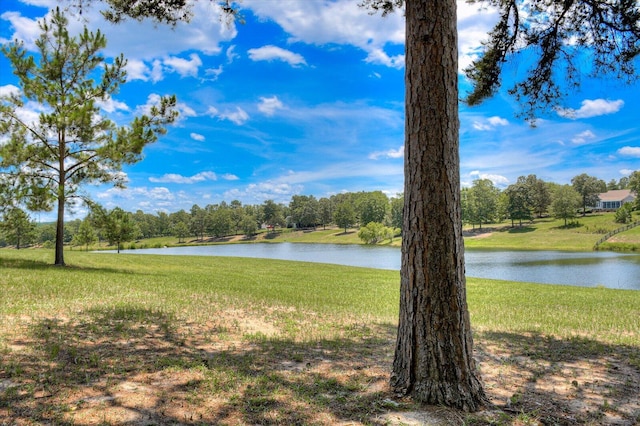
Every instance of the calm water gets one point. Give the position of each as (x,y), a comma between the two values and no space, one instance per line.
(588,269)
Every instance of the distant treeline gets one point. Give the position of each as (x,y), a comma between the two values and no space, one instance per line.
(482,203)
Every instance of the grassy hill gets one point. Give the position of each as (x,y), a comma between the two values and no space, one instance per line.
(551,234)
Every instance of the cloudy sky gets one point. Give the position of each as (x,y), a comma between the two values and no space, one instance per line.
(306,97)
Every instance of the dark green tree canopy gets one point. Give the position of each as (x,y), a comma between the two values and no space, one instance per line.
(17,227)
(588,187)
(117,225)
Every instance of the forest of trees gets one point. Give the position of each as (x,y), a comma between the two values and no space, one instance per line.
(482,203)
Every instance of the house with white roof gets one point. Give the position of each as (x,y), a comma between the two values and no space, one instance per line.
(613,200)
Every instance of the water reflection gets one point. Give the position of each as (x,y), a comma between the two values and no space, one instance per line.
(588,269)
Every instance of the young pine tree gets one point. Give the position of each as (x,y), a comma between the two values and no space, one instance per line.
(71,143)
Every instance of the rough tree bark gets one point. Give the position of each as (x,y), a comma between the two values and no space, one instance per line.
(434,351)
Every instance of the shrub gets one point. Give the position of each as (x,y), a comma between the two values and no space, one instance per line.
(375,232)
(623,214)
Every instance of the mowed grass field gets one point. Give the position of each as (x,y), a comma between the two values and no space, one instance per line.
(551,234)
(131,339)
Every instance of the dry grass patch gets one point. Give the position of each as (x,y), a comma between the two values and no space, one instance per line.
(142,367)
(139,367)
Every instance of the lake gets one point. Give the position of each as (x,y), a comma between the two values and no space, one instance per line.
(586,269)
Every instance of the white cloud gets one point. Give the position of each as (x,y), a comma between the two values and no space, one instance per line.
(271,53)
(474,22)
(137,70)
(379,56)
(197,137)
(137,193)
(592,108)
(260,192)
(392,153)
(156,73)
(497,121)
(177,178)
(204,33)
(214,73)
(152,42)
(497,180)
(626,172)
(184,67)
(231,54)
(344,22)
(9,90)
(239,116)
(185,112)
(110,105)
(153,99)
(583,137)
(156,69)
(158,193)
(30,111)
(630,151)
(212,111)
(339,22)
(229,176)
(25,29)
(269,106)
(490,123)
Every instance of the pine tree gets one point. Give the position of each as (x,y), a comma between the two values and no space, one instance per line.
(72,143)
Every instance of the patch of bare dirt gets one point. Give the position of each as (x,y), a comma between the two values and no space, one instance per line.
(479,236)
(241,369)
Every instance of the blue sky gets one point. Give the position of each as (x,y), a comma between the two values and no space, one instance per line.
(307,97)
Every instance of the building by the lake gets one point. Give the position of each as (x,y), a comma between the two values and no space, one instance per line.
(613,200)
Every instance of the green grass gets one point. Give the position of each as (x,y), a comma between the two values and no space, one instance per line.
(324,236)
(552,310)
(182,339)
(551,234)
(197,287)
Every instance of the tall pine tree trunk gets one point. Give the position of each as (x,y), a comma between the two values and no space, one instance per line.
(433,359)
(59,260)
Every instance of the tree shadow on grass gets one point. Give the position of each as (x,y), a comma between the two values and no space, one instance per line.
(521,229)
(24,264)
(343,233)
(131,365)
(562,381)
(570,225)
(31,265)
(135,366)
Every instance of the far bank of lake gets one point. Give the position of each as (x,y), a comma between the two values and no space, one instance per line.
(586,269)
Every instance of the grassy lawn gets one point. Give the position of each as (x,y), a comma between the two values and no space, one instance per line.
(124,339)
(551,234)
